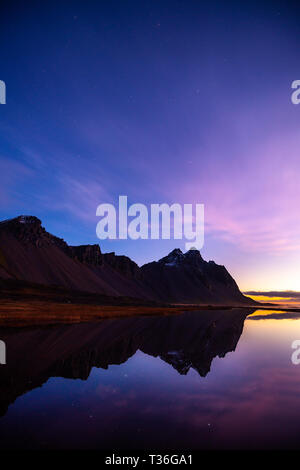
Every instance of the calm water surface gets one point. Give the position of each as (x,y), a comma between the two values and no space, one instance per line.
(200,380)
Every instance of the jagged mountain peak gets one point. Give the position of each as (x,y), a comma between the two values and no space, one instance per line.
(88,254)
(28,229)
(29,219)
(193,254)
(28,252)
(176,251)
(176,257)
(25,220)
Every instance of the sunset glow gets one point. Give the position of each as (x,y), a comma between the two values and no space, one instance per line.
(188,124)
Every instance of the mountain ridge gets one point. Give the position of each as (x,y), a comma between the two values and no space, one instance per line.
(29,253)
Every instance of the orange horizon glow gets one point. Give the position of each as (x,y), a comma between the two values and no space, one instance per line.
(272,299)
(266,298)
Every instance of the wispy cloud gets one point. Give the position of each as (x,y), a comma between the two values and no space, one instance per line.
(79,197)
(13,174)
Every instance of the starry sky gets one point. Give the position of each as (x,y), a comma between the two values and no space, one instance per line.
(162,101)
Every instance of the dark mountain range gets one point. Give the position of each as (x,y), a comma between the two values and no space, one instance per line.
(187,278)
(187,341)
(29,253)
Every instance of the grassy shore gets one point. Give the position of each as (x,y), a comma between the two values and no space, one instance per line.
(37,312)
(23,304)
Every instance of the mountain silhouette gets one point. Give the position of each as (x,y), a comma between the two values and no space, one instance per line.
(29,253)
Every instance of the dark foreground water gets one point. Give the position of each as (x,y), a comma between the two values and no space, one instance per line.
(201,380)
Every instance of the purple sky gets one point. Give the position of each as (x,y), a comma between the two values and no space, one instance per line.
(163,102)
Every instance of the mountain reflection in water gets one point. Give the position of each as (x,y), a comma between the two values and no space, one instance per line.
(161,382)
(184,341)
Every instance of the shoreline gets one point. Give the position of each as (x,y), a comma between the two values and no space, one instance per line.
(17,313)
